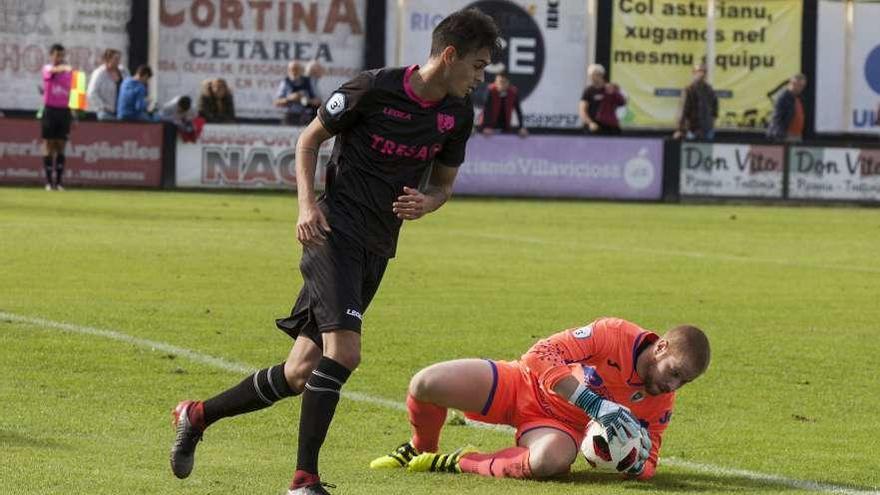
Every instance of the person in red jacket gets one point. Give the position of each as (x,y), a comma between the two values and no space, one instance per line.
(502,100)
(611,371)
(599,103)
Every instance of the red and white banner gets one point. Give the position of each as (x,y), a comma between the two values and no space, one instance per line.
(245,157)
(250,44)
(98,154)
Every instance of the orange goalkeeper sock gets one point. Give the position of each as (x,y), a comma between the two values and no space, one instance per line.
(427,421)
(507,463)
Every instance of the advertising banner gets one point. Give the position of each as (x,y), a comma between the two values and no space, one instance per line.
(250,44)
(28,28)
(655,44)
(732,170)
(834,173)
(245,157)
(562,166)
(98,154)
(848,62)
(545,49)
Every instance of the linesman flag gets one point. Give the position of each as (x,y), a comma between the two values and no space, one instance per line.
(78,91)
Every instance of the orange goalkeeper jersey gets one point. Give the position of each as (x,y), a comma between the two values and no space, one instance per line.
(602,356)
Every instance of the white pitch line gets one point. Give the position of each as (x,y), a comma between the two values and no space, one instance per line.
(235,367)
(664,252)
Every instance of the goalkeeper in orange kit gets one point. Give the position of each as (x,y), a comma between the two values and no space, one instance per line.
(611,371)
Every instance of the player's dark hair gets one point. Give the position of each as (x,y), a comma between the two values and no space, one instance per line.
(184,103)
(144,71)
(467,30)
(57,47)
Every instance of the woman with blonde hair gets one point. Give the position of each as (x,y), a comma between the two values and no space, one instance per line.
(215,101)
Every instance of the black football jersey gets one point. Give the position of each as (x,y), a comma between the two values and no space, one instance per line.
(386,138)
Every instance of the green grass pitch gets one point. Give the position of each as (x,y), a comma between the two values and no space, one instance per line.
(790,298)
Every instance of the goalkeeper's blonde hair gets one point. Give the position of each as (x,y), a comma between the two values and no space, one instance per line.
(691,343)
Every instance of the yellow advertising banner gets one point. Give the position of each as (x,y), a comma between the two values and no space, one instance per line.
(655,44)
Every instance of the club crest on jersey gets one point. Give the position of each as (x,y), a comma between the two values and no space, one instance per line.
(335,104)
(583,332)
(445,122)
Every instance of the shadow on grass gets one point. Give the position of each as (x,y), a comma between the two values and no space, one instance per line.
(10,439)
(704,482)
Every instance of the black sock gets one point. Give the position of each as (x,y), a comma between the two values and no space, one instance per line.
(318,405)
(258,391)
(47,165)
(59,168)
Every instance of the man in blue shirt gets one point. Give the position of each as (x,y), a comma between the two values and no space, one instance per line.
(132,104)
(296,96)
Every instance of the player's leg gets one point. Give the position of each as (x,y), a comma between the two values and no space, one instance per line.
(342,354)
(540,453)
(464,384)
(60,158)
(258,391)
(551,451)
(267,386)
(48,152)
(341,277)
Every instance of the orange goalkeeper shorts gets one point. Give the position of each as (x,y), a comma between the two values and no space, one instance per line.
(515,400)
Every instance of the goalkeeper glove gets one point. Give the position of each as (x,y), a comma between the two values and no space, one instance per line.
(644,452)
(617,420)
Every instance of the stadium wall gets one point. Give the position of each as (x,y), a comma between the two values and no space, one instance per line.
(99,154)
(253,156)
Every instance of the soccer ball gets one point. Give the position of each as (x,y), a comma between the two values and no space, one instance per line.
(616,455)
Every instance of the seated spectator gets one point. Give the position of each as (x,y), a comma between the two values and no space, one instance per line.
(178,111)
(501,101)
(599,103)
(103,89)
(215,102)
(294,95)
(132,103)
(788,111)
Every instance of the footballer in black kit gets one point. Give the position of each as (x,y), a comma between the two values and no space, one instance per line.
(392,126)
(386,138)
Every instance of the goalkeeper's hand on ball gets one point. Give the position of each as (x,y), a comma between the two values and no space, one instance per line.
(644,452)
(617,420)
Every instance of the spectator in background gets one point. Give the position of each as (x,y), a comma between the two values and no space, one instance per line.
(215,102)
(502,100)
(103,89)
(599,103)
(699,108)
(294,95)
(56,116)
(314,72)
(788,111)
(179,112)
(132,104)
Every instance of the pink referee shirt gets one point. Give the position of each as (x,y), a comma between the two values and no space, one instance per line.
(56,87)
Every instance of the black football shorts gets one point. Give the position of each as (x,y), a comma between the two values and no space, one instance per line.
(340,279)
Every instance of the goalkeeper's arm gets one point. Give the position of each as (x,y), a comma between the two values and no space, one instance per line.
(617,419)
